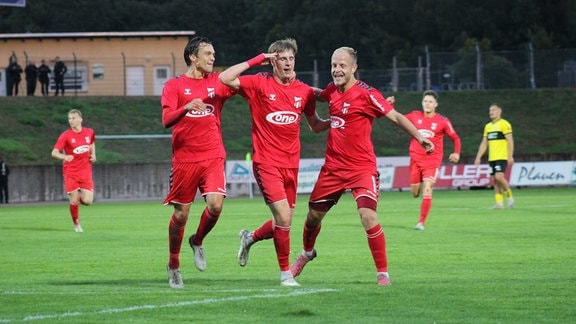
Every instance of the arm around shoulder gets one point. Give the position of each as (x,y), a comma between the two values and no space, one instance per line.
(317,124)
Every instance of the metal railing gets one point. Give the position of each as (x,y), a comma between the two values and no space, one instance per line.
(470,70)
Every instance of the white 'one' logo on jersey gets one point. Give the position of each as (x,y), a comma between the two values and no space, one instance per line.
(282,117)
(337,122)
(426,133)
(197,114)
(81,149)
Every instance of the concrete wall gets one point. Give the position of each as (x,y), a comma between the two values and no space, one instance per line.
(149,181)
(111,181)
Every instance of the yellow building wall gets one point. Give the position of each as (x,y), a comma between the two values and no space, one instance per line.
(108,55)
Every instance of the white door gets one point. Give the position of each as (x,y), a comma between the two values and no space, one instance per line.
(161,75)
(3,84)
(135,81)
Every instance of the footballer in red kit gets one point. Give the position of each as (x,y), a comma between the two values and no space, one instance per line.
(192,106)
(276,114)
(423,165)
(277,101)
(350,162)
(76,148)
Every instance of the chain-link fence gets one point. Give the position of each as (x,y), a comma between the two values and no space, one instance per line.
(472,70)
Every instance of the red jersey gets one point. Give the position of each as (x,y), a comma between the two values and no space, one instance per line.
(349,145)
(197,136)
(433,128)
(276,113)
(76,144)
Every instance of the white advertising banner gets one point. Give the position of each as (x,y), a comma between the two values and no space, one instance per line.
(239,171)
(308,174)
(392,161)
(386,177)
(543,173)
(394,174)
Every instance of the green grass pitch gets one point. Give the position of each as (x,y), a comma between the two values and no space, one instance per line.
(470,265)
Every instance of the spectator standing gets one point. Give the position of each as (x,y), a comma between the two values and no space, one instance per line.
(4,173)
(43,76)
(192,106)
(424,165)
(277,101)
(497,138)
(31,72)
(76,148)
(350,162)
(14,76)
(59,70)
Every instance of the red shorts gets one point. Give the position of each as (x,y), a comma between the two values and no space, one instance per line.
(276,183)
(423,170)
(331,184)
(74,182)
(188,177)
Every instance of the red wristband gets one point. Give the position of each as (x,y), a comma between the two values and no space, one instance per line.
(256,60)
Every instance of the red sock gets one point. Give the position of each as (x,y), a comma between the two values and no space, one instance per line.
(377,244)
(74,213)
(264,232)
(309,236)
(282,245)
(425,208)
(175,235)
(207,222)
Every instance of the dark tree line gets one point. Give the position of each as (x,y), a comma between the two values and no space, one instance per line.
(378,29)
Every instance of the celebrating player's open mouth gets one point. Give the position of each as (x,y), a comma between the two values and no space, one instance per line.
(338,78)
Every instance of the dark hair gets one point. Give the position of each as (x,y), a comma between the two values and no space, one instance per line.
(430,93)
(193,46)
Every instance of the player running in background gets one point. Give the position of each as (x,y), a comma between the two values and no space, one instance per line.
(76,147)
(277,101)
(424,165)
(350,159)
(497,138)
(192,105)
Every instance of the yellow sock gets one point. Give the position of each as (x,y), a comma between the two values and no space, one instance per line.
(499,198)
(508,193)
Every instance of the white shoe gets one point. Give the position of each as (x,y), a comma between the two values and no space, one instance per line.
(498,206)
(419,226)
(78,229)
(510,202)
(174,278)
(245,244)
(287,280)
(199,257)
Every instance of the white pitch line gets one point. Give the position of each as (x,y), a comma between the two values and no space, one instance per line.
(170,305)
(20,292)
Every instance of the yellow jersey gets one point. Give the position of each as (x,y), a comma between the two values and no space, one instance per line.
(495,134)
